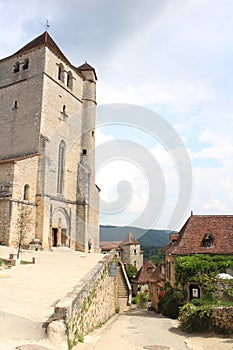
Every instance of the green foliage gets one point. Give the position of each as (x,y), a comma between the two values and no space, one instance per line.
(195,318)
(1,262)
(170,303)
(141,299)
(81,338)
(153,254)
(192,268)
(131,271)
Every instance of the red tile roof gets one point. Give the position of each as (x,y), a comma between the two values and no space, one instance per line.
(196,228)
(129,239)
(107,246)
(144,274)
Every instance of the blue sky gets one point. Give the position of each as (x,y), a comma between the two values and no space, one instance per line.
(173,57)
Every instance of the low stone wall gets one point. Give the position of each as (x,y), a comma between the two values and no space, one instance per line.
(223,318)
(92,302)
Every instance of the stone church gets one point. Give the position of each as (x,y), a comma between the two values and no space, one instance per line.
(47,148)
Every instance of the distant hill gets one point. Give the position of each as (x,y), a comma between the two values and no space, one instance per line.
(146,237)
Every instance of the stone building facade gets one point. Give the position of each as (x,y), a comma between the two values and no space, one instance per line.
(128,251)
(47,147)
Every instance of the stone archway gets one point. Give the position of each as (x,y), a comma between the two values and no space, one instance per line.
(60,228)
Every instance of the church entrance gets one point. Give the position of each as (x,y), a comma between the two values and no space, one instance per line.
(54,237)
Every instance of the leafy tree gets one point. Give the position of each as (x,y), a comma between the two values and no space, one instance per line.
(131,271)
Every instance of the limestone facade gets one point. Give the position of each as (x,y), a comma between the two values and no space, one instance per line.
(47,147)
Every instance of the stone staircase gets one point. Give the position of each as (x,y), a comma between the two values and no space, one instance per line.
(124,291)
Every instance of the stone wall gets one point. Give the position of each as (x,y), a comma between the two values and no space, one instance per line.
(92,302)
(223,319)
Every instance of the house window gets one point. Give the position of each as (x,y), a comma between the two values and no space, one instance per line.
(16,67)
(26,64)
(61,161)
(69,81)
(60,72)
(26,192)
(135,251)
(207,241)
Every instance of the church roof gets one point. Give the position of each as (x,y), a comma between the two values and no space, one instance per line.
(46,40)
(194,232)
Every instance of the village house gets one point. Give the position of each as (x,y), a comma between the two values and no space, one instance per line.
(47,148)
(140,281)
(128,250)
(201,234)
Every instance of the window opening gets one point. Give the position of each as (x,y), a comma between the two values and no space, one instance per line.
(26,64)
(61,161)
(15,104)
(26,192)
(84,151)
(16,67)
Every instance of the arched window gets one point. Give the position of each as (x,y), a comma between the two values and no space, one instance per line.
(60,72)
(69,81)
(61,162)
(16,67)
(26,64)
(208,241)
(26,192)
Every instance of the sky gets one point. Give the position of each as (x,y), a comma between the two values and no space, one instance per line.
(170,60)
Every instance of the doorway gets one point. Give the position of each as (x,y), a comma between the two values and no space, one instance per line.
(54,237)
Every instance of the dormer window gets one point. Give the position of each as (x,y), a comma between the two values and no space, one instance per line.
(25,64)
(16,67)
(208,241)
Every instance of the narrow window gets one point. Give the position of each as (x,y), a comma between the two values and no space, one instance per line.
(60,72)
(26,192)
(84,152)
(15,104)
(64,109)
(135,251)
(135,263)
(92,133)
(61,161)
(69,80)
(26,64)
(16,67)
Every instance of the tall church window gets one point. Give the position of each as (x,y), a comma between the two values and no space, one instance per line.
(26,192)
(69,81)
(61,162)
(60,72)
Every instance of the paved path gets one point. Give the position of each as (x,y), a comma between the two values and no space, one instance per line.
(29,292)
(142,330)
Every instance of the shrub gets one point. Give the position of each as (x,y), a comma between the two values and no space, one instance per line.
(170,303)
(1,262)
(195,318)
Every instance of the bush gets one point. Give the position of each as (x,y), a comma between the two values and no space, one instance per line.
(195,318)
(170,303)
(140,299)
(1,262)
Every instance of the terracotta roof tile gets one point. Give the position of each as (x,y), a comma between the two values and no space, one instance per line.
(130,239)
(144,274)
(194,231)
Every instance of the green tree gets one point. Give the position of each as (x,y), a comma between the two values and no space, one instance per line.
(131,271)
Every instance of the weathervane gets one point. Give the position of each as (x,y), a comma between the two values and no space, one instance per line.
(47,25)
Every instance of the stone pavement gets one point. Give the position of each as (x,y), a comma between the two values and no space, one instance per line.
(29,292)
